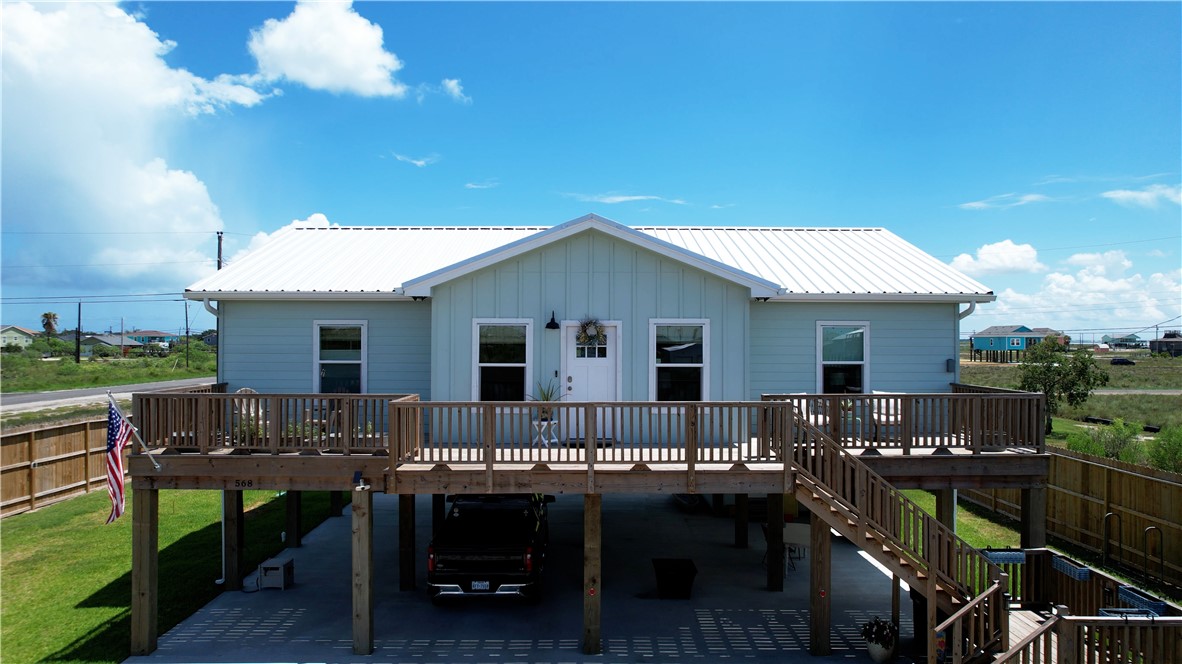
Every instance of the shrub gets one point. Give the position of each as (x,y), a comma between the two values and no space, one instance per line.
(1116,441)
(1084,444)
(1165,451)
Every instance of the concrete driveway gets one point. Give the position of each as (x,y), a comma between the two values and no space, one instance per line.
(731,617)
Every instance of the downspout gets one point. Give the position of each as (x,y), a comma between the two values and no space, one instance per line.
(964,314)
(214,312)
(961,316)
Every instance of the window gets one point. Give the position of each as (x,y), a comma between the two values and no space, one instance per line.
(340,357)
(503,351)
(680,370)
(842,350)
(1016,342)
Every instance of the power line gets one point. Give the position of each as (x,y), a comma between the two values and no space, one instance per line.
(204,260)
(213,232)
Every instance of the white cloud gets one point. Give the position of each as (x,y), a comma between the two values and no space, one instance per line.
(88,100)
(612,199)
(453,89)
(1002,201)
(1148,197)
(487,184)
(1087,300)
(419,162)
(327,46)
(1109,262)
(260,239)
(998,258)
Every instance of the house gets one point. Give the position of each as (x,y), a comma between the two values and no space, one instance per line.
(1125,341)
(1004,343)
(16,336)
(685,313)
(1170,343)
(811,365)
(153,337)
(90,341)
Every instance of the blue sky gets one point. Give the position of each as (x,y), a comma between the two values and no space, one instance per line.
(1036,146)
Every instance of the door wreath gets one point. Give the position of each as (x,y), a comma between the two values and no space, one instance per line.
(590,333)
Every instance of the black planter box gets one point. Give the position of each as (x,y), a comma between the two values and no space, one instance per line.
(675,577)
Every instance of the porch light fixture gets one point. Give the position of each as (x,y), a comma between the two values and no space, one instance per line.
(553,324)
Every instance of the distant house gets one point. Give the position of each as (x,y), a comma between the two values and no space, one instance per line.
(1170,342)
(1126,341)
(153,337)
(20,336)
(1005,343)
(91,341)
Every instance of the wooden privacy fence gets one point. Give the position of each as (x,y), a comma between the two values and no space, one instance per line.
(39,466)
(1126,512)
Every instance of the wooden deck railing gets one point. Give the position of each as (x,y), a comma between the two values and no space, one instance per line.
(976,419)
(916,540)
(981,626)
(632,432)
(1067,639)
(209,423)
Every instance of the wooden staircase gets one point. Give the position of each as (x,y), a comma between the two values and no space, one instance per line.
(864,508)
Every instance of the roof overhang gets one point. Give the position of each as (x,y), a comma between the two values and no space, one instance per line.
(335,296)
(950,298)
(421,286)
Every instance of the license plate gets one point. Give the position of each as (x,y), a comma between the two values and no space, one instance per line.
(480,585)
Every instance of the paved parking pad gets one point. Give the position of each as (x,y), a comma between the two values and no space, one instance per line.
(730,617)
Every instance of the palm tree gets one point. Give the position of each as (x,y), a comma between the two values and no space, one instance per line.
(49,322)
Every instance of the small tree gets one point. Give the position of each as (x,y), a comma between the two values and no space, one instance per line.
(49,322)
(1061,376)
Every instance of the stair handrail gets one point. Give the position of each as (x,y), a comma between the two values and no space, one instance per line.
(811,446)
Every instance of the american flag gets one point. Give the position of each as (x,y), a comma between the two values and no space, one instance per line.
(118,433)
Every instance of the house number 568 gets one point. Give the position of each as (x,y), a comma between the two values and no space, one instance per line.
(243,484)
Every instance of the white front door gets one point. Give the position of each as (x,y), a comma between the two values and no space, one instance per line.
(591,372)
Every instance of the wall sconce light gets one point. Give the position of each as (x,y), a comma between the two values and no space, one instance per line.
(553,324)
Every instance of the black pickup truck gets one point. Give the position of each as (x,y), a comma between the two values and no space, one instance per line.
(490,545)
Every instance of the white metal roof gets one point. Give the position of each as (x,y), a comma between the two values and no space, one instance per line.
(781,263)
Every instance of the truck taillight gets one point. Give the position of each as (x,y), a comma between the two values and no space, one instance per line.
(430,559)
(529,559)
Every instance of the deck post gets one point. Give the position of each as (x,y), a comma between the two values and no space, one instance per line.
(742,520)
(592,571)
(295,521)
(362,572)
(946,507)
(820,587)
(145,543)
(336,503)
(1034,518)
(233,540)
(406,541)
(775,542)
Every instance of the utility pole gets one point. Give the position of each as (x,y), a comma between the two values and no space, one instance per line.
(187,335)
(219,250)
(78,337)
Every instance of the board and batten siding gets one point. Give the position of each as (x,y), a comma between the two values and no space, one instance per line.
(590,275)
(268,346)
(910,345)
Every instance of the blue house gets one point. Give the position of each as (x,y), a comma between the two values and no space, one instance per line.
(609,312)
(1005,343)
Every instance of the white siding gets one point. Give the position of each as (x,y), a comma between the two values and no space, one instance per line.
(267,346)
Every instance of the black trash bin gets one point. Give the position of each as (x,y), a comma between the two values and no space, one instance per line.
(675,577)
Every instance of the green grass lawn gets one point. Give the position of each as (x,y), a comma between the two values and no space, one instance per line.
(972,525)
(20,373)
(67,575)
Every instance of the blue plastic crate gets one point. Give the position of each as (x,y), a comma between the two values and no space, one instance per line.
(1071,569)
(1135,598)
(1005,557)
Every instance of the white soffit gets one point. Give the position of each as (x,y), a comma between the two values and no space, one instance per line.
(376,262)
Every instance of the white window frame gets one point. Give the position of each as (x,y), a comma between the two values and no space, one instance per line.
(653,323)
(316,362)
(1016,342)
(529,350)
(865,363)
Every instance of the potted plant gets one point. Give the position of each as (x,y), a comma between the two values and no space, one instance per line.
(882,637)
(546,393)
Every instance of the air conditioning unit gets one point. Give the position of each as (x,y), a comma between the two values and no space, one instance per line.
(278,572)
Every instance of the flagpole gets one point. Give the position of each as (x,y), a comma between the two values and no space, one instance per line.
(134,431)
